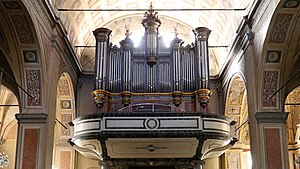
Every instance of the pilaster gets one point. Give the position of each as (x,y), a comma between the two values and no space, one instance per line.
(273,139)
(31,131)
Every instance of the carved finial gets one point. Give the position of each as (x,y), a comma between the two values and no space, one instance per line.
(175,32)
(128,33)
(151,10)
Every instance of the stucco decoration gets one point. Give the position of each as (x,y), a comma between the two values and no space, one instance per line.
(233,160)
(280,28)
(22,27)
(270,85)
(64,89)
(33,80)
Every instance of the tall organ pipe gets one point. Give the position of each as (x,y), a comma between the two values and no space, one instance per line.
(201,41)
(102,52)
(151,24)
(175,45)
(127,45)
(102,45)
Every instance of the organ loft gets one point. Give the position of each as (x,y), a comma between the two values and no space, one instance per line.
(152,101)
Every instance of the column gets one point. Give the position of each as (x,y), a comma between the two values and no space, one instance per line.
(30,143)
(273,139)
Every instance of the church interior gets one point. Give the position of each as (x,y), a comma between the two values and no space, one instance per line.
(185,84)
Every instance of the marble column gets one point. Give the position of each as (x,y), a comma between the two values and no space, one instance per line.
(30,144)
(273,139)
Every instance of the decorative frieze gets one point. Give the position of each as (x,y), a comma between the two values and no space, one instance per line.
(63,87)
(270,84)
(280,28)
(65,119)
(11,5)
(33,81)
(22,27)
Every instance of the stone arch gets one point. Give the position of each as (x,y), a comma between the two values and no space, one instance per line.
(20,44)
(279,55)
(236,108)
(292,106)
(8,124)
(64,154)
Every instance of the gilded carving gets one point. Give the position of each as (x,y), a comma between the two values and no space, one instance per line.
(33,87)
(269,87)
(281,27)
(23,30)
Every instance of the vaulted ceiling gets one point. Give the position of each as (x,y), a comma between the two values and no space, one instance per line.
(81,17)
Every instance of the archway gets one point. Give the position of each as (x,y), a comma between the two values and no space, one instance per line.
(238,157)
(64,154)
(292,106)
(9,106)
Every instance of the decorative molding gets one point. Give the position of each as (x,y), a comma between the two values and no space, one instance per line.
(32,118)
(280,28)
(151,123)
(233,160)
(291,4)
(22,27)
(273,56)
(271,117)
(65,104)
(30,56)
(63,86)
(270,84)
(33,82)
(65,119)
(11,5)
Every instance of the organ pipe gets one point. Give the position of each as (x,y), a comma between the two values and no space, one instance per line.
(151,24)
(102,52)
(176,62)
(151,67)
(201,48)
(127,45)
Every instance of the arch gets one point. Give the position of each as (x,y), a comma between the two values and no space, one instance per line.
(64,154)
(20,45)
(236,108)
(8,124)
(292,106)
(279,55)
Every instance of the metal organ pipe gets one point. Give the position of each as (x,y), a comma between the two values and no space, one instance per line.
(102,44)
(102,52)
(202,56)
(151,24)
(201,41)
(127,45)
(175,44)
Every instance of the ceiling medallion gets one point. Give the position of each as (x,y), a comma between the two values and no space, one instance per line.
(291,4)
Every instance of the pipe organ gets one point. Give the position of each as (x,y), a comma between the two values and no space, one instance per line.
(136,125)
(152,67)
